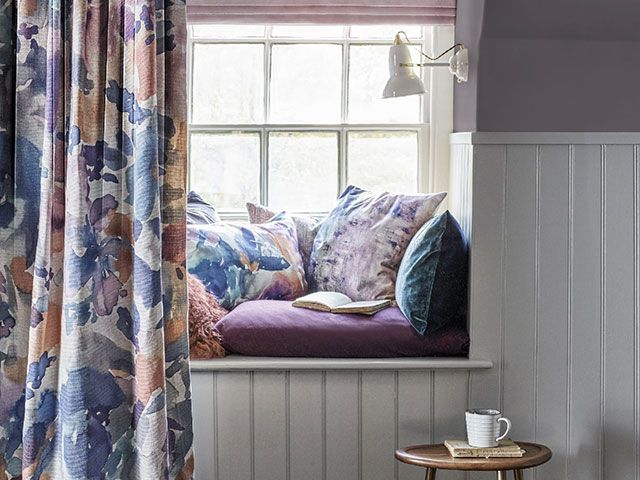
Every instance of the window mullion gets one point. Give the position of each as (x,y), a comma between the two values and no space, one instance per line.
(267,80)
(264,166)
(342,134)
(345,81)
(264,132)
(425,160)
(343,161)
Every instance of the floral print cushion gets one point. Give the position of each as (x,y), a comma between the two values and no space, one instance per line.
(247,262)
(360,245)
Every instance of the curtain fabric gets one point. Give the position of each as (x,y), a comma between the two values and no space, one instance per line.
(337,12)
(94,374)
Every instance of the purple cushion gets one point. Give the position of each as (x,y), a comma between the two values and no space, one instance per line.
(273,328)
(359,246)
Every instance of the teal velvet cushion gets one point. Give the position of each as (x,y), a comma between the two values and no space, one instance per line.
(431,288)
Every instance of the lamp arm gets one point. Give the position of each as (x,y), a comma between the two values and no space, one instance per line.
(427,64)
(461,45)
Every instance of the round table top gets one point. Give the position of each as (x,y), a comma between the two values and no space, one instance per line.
(437,456)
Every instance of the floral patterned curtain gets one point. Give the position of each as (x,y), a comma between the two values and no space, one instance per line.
(94,374)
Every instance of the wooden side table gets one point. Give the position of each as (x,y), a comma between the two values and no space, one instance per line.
(434,457)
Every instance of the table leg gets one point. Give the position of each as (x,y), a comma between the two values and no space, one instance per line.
(502,475)
(431,474)
(518,475)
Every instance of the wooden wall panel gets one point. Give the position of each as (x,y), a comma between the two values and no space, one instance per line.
(306,425)
(551,339)
(486,272)
(567,335)
(461,182)
(379,416)
(619,317)
(584,368)
(234,432)
(415,400)
(343,425)
(270,455)
(448,411)
(520,289)
(204,424)
(486,282)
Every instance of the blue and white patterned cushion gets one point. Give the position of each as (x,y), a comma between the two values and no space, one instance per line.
(247,262)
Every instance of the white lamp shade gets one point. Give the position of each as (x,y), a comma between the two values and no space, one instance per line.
(402,80)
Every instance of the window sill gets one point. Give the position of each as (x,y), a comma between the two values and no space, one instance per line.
(239,362)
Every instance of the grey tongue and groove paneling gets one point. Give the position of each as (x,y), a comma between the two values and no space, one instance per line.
(520,289)
(343,395)
(326,425)
(620,293)
(270,425)
(379,436)
(306,416)
(553,306)
(555,223)
(235,429)
(584,369)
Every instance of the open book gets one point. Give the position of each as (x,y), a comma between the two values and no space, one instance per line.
(335,302)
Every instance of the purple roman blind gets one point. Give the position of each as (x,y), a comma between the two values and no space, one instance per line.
(337,12)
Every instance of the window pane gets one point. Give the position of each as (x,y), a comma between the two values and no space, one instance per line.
(303,171)
(384,31)
(235,93)
(383,161)
(368,74)
(308,31)
(227,31)
(306,83)
(225,168)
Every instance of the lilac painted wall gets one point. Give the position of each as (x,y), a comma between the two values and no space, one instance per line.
(465,95)
(549,65)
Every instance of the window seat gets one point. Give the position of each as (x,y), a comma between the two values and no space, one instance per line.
(246,363)
(273,328)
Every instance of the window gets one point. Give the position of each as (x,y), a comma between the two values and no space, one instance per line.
(289,115)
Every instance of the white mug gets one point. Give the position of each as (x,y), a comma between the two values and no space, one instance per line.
(483,427)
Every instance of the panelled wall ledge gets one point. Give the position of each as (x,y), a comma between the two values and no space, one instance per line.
(545,138)
(239,362)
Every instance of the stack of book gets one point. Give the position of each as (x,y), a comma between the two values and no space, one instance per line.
(505,449)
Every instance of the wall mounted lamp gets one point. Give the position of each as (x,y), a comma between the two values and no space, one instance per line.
(403,80)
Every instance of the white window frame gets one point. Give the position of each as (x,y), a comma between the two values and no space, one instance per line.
(433,129)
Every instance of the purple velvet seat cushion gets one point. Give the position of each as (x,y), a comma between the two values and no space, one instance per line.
(274,328)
